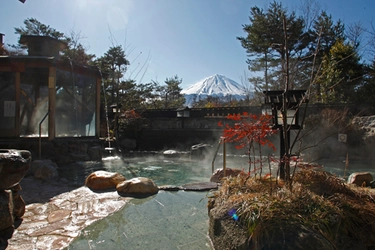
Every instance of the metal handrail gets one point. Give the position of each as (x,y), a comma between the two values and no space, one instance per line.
(222,139)
(40,134)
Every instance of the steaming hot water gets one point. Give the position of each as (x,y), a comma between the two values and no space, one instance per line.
(163,171)
(168,220)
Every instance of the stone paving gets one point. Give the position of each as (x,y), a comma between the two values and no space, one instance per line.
(56,212)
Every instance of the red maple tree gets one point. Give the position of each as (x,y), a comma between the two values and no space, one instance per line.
(251,131)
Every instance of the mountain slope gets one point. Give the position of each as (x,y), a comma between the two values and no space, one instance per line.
(216,85)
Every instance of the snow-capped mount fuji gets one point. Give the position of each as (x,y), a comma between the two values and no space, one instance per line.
(216,86)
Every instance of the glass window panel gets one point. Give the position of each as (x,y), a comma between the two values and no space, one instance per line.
(290,119)
(75,104)
(33,101)
(8,100)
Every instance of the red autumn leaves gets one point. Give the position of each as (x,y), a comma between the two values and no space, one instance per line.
(249,129)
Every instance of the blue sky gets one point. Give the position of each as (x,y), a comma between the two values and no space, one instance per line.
(193,39)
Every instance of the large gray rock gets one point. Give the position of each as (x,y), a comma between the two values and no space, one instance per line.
(19,205)
(14,164)
(200,186)
(44,169)
(288,235)
(226,233)
(139,186)
(219,174)
(6,209)
(200,151)
(360,179)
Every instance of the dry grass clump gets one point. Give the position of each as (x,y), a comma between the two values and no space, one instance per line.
(322,183)
(317,201)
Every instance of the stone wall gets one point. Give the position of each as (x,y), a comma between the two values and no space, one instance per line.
(163,130)
(14,164)
(61,151)
(181,139)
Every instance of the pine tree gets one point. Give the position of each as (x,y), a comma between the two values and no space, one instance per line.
(341,73)
(172,93)
(264,42)
(323,35)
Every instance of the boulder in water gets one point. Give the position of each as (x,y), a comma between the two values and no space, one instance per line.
(140,186)
(100,180)
(200,151)
(171,153)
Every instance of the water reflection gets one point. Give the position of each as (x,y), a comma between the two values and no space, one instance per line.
(180,171)
(168,220)
(162,171)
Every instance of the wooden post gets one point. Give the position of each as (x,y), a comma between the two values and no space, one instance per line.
(224,159)
(51,102)
(97,105)
(18,101)
(346,165)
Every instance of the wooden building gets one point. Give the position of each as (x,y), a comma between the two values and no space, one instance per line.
(41,94)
